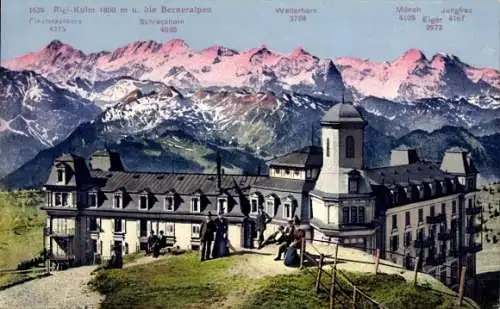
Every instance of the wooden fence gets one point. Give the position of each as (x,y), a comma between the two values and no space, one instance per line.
(342,291)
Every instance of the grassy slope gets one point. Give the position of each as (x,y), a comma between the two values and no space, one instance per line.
(183,282)
(21,226)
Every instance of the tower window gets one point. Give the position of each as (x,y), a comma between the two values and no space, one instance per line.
(349,147)
(327,147)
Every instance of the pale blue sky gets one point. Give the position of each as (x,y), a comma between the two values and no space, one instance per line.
(367,29)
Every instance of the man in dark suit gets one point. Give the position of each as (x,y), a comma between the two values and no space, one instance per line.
(151,240)
(261,223)
(207,230)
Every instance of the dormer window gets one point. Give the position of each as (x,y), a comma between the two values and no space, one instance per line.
(144,202)
(277,171)
(61,175)
(420,190)
(288,208)
(92,199)
(271,205)
(287,171)
(118,201)
(168,203)
(254,203)
(222,206)
(195,204)
(297,172)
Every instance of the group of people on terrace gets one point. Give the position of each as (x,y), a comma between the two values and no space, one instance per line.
(215,232)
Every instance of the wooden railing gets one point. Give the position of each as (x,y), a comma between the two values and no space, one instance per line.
(343,291)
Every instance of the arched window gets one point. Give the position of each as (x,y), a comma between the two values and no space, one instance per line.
(349,147)
(327,147)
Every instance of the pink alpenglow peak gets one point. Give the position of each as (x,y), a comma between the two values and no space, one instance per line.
(407,77)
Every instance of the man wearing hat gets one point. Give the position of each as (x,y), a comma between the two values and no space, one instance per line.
(261,223)
(207,230)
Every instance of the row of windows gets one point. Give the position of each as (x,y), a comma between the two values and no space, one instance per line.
(349,147)
(119,226)
(421,214)
(145,203)
(353,214)
(408,236)
(270,207)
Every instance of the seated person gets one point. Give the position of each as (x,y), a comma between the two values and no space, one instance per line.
(277,237)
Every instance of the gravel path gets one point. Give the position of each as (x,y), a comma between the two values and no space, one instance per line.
(63,289)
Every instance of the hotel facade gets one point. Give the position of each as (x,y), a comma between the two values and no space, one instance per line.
(411,208)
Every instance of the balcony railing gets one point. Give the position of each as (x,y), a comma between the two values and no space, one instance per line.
(443,236)
(62,232)
(435,219)
(473,229)
(473,211)
(426,243)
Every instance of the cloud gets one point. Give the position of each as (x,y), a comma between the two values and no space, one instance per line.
(488,50)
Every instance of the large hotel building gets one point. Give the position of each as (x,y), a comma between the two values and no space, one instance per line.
(411,208)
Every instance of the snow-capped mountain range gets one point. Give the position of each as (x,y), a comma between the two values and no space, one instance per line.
(408,77)
(256,103)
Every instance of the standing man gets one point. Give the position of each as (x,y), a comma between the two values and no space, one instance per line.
(207,231)
(261,223)
(151,240)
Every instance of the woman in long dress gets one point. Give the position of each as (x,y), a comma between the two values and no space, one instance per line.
(220,243)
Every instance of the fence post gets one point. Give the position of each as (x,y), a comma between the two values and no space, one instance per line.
(354,297)
(320,269)
(461,288)
(377,260)
(302,249)
(417,260)
(334,274)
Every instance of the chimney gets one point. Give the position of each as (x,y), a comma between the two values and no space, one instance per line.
(404,155)
(219,172)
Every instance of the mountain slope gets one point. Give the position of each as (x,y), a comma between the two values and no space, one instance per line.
(35,114)
(484,150)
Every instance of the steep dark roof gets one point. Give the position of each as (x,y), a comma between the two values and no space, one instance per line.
(405,174)
(182,183)
(284,184)
(342,112)
(310,156)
